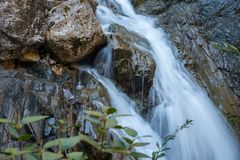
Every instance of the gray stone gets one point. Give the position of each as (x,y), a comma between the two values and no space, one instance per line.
(74,32)
(133,65)
(24,94)
(193,26)
(22,26)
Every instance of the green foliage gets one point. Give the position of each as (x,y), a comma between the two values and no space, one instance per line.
(76,156)
(31,119)
(228,48)
(63,148)
(32,151)
(106,120)
(161,152)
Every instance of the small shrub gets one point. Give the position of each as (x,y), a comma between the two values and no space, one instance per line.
(62,148)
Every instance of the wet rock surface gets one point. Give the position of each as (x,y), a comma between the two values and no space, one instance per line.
(133,65)
(74,32)
(91,91)
(193,26)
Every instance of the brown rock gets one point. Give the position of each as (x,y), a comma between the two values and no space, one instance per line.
(134,68)
(74,32)
(22,25)
(9,64)
(30,56)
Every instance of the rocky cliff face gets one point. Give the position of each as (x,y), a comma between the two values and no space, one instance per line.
(36,39)
(193,26)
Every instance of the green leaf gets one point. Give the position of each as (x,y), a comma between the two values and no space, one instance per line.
(146,136)
(165,149)
(12,151)
(139,155)
(117,142)
(131,132)
(111,111)
(105,109)
(90,141)
(119,127)
(51,156)
(31,119)
(93,120)
(76,156)
(66,143)
(24,137)
(111,123)
(129,141)
(52,143)
(61,121)
(162,155)
(140,144)
(167,139)
(4,120)
(16,152)
(30,157)
(4,154)
(63,143)
(31,147)
(13,132)
(94,113)
(118,150)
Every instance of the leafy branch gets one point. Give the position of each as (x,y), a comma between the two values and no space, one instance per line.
(161,152)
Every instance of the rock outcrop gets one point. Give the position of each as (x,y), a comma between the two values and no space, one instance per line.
(193,26)
(28,95)
(74,32)
(22,27)
(37,38)
(38,90)
(134,67)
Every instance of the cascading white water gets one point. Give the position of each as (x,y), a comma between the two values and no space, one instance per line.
(124,105)
(181,98)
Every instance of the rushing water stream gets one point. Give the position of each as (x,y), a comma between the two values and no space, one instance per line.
(210,138)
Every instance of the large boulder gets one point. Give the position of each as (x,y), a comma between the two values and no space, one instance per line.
(22,27)
(133,67)
(74,32)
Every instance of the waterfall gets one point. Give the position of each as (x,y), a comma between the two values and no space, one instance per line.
(125,105)
(210,137)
